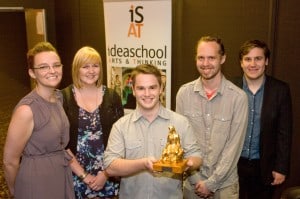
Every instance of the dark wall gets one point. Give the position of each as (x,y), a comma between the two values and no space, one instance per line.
(13,45)
(286,67)
(80,25)
(72,24)
(13,41)
(41,4)
(230,20)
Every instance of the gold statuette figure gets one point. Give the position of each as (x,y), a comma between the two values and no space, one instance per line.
(172,156)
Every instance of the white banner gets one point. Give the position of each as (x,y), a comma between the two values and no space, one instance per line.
(137,32)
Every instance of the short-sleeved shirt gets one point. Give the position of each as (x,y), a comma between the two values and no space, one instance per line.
(134,137)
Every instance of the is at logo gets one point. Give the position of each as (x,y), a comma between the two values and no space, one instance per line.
(136,21)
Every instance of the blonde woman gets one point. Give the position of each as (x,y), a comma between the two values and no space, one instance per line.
(92,108)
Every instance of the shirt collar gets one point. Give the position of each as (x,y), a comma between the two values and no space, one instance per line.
(245,84)
(162,113)
(198,87)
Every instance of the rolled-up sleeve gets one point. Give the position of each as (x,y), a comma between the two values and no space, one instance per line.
(115,147)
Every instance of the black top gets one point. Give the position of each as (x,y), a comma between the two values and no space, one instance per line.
(110,111)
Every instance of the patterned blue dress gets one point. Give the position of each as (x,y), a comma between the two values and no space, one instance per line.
(90,151)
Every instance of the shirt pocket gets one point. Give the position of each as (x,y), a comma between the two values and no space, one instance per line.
(221,130)
(134,149)
(195,118)
(222,122)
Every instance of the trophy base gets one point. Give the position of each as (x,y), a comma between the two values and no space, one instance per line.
(176,167)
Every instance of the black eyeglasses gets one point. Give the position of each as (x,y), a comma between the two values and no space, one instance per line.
(46,67)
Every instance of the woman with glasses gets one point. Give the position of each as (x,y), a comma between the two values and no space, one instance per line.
(92,108)
(35,163)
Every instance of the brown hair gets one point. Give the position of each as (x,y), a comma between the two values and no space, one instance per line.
(250,44)
(38,48)
(146,69)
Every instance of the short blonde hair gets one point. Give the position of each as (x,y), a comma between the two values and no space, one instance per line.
(83,56)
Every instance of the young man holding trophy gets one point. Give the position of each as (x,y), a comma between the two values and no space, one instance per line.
(137,141)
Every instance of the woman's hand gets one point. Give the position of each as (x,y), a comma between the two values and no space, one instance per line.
(99,181)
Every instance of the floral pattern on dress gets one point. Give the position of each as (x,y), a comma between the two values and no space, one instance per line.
(90,150)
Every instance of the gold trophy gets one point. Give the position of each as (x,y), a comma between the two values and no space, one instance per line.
(172,156)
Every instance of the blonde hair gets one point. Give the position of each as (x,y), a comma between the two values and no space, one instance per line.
(83,56)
